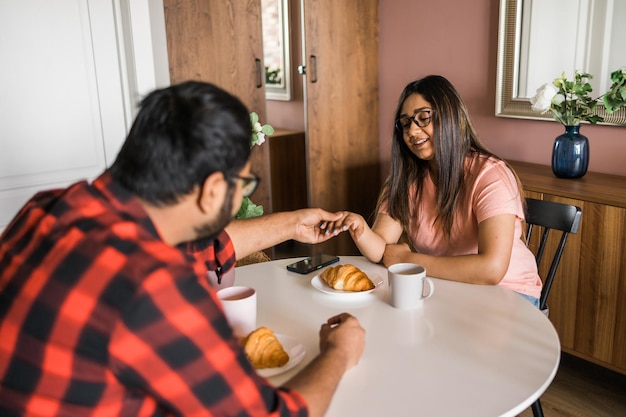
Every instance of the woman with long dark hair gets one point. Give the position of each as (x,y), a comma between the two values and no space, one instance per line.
(460,206)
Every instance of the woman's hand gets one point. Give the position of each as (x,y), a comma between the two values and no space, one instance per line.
(352,222)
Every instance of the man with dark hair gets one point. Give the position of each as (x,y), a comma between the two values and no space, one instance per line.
(102,313)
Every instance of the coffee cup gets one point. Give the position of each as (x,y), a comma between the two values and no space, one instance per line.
(406,285)
(224,280)
(239,305)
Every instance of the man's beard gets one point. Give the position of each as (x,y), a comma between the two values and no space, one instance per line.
(210,230)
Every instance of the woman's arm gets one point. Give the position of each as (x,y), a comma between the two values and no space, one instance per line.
(495,244)
(370,241)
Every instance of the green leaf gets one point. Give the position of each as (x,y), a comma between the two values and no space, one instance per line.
(615,98)
(267,130)
(254,118)
(595,119)
(248,209)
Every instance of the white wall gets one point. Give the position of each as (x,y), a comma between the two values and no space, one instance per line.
(71,76)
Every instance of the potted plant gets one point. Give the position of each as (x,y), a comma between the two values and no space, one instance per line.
(259,132)
(570,103)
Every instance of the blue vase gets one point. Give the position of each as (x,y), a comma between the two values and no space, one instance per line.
(570,155)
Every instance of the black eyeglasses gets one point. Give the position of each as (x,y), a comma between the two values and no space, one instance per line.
(422,119)
(249,183)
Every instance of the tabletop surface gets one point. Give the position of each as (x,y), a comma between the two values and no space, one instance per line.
(472,350)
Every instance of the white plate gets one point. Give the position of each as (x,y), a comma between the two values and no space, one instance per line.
(320,285)
(296,353)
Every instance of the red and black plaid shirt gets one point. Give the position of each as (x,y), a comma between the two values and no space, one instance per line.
(100,317)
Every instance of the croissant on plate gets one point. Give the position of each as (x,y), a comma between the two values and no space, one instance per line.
(264,350)
(346,278)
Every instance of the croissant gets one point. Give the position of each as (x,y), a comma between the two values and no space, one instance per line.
(347,278)
(264,350)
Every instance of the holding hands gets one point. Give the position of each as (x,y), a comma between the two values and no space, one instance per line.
(370,241)
(351,222)
(315,225)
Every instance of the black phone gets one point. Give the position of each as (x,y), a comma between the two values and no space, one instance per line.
(312,263)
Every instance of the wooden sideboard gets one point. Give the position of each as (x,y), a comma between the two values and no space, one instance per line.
(287,168)
(282,168)
(588,299)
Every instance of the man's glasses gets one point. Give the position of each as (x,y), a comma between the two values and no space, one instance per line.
(421,119)
(249,183)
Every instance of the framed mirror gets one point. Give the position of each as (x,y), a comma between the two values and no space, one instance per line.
(275,18)
(535,47)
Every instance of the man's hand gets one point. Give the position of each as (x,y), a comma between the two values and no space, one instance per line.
(342,340)
(344,335)
(312,224)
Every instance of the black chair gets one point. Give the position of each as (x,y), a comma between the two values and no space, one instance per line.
(550,216)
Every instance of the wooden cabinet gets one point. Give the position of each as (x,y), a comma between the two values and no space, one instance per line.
(588,299)
(341,99)
(287,160)
(220,42)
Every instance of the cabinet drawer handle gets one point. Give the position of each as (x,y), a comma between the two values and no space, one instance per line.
(313,68)
(259,73)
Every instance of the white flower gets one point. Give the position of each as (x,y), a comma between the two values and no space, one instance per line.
(558,99)
(258,137)
(543,98)
(259,131)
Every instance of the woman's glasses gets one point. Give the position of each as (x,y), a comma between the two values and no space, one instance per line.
(249,183)
(421,119)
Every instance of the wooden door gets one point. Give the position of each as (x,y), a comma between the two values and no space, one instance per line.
(221,42)
(341,99)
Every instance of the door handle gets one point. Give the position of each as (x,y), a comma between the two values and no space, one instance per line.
(259,73)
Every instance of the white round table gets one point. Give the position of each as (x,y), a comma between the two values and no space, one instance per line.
(472,350)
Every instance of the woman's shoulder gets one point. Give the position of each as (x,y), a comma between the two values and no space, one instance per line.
(477,163)
(487,169)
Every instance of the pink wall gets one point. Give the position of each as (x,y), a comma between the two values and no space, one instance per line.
(457,39)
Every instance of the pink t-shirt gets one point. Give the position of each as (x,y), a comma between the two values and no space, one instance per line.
(493,191)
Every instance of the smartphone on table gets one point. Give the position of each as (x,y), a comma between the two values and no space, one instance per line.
(312,263)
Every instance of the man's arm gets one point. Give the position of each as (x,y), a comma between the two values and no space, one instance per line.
(258,233)
(155,365)
(342,340)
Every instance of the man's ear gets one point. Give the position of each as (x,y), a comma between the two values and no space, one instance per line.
(212,193)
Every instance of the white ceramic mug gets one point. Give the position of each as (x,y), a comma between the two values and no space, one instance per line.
(240,308)
(406,285)
(226,280)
